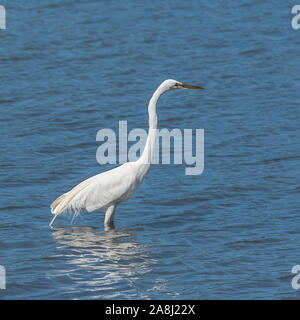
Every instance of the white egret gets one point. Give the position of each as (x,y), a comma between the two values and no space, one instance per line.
(105,191)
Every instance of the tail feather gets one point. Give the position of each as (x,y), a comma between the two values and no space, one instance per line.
(55,204)
(64,202)
(61,204)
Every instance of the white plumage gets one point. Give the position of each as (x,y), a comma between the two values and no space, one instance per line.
(106,190)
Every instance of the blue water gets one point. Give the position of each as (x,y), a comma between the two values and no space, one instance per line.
(71,68)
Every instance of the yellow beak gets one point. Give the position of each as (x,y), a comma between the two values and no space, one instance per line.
(191,87)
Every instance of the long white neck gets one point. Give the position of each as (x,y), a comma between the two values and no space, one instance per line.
(145,160)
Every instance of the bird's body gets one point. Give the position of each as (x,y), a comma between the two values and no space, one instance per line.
(105,191)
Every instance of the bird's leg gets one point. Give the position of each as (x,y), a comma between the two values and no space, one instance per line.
(109,218)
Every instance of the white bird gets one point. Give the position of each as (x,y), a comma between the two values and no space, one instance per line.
(105,191)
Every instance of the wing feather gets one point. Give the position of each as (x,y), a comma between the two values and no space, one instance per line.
(98,192)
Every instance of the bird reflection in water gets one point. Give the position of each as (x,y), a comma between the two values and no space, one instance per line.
(105,257)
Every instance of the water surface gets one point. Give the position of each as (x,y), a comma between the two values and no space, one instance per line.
(70,68)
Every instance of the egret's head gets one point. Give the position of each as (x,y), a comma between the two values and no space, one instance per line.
(171,84)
